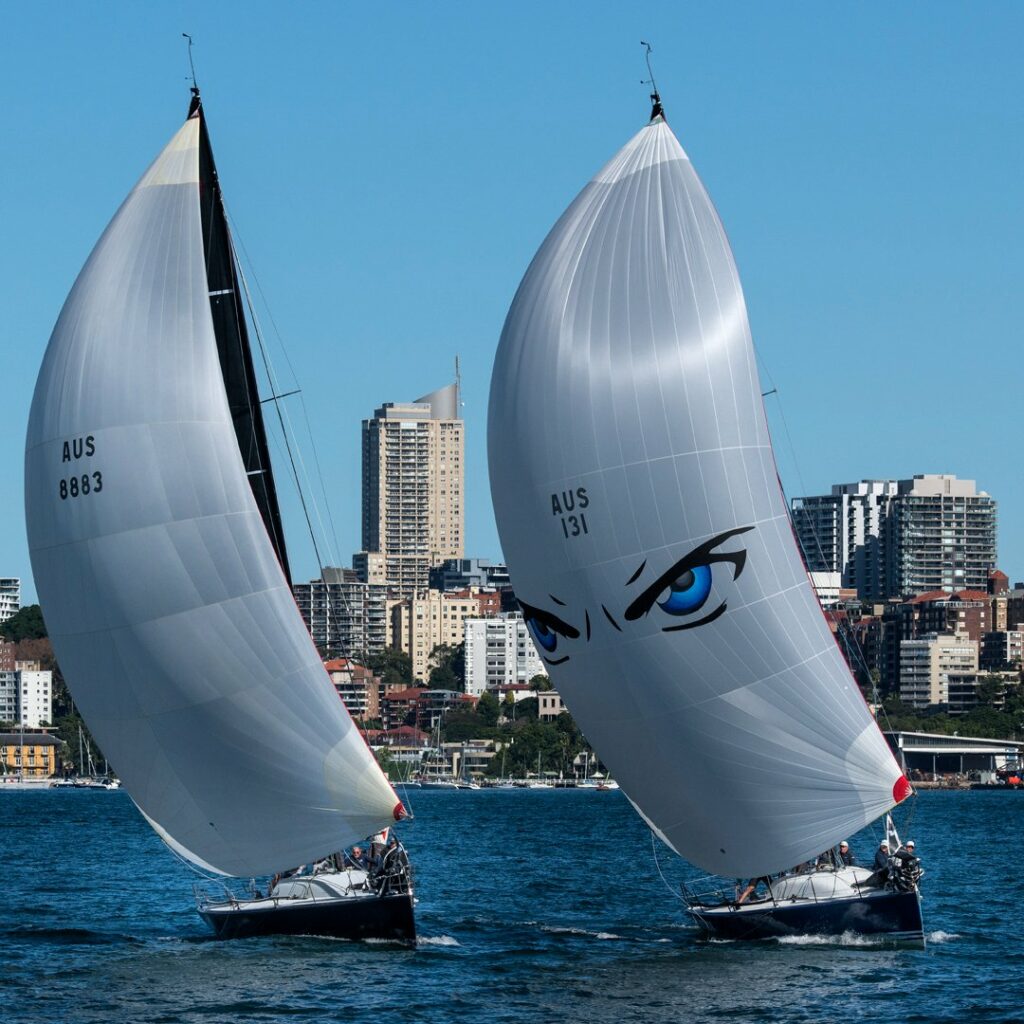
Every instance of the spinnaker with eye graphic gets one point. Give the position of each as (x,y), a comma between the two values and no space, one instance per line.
(648,538)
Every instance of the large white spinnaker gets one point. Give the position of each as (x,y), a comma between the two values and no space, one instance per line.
(168,610)
(647,536)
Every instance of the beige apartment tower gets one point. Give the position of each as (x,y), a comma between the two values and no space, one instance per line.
(413,478)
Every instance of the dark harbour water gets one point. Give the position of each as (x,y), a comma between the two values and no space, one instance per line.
(535,905)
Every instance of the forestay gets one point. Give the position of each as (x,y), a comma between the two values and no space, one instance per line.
(648,539)
(166,605)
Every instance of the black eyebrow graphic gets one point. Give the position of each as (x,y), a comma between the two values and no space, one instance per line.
(608,615)
(702,555)
(636,575)
(587,616)
(551,621)
(555,599)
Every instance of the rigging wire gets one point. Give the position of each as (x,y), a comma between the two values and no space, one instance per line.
(291,368)
(275,390)
(191,65)
(851,643)
(277,407)
(654,851)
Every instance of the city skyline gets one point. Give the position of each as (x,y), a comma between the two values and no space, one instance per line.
(872,228)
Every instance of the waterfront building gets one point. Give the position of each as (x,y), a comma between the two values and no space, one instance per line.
(466,759)
(357,686)
(463,573)
(936,753)
(35,754)
(412,495)
(499,651)
(549,705)
(344,616)
(428,620)
(8,656)
(926,664)
(898,538)
(10,597)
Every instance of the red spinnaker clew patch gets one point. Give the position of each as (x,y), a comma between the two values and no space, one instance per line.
(399,811)
(901,789)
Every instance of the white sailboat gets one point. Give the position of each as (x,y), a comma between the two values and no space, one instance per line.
(649,544)
(161,567)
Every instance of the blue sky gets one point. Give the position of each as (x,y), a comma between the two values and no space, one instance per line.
(391,172)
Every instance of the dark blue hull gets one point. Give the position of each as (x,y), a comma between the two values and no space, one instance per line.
(895,916)
(371,917)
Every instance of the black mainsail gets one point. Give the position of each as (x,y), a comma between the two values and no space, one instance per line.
(226,305)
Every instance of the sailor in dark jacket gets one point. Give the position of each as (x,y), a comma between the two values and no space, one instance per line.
(882,857)
(846,857)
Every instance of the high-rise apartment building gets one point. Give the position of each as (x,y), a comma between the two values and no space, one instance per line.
(898,538)
(945,535)
(10,597)
(35,697)
(413,477)
(345,617)
(847,532)
(500,652)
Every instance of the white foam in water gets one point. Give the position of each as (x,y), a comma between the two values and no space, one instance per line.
(437,940)
(846,939)
(942,936)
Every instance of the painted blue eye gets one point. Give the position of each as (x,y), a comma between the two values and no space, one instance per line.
(547,638)
(687,592)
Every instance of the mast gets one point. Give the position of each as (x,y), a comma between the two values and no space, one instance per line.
(233,347)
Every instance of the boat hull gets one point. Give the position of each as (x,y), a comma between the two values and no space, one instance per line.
(895,916)
(366,917)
